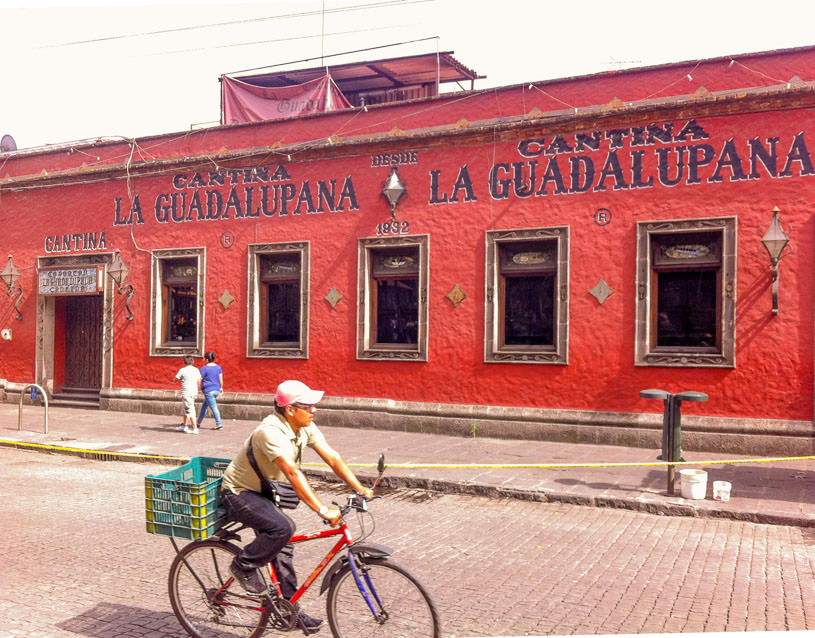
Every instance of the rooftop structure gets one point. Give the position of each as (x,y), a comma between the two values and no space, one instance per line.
(378,81)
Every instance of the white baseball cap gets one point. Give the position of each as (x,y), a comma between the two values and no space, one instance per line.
(292,391)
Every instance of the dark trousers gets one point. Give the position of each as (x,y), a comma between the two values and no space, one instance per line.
(273,529)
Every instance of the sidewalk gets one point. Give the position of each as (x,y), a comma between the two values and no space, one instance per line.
(778,492)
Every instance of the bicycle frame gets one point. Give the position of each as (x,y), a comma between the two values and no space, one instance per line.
(346,540)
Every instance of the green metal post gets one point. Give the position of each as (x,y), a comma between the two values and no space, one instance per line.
(672,427)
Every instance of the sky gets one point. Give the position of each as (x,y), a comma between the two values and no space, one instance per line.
(75,71)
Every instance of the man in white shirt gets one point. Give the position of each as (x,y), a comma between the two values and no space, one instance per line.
(190,380)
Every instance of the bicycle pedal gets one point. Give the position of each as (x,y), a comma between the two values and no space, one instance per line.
(284,614)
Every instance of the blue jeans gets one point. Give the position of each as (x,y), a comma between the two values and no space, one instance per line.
(209,402)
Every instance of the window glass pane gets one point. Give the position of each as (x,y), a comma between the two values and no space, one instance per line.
(182,315)
(283,312)
(686,309)
(397,311)
(529,310)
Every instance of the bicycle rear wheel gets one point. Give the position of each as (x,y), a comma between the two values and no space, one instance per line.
(202,602)
(402,605)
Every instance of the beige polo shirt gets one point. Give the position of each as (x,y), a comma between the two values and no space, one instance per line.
(272,438)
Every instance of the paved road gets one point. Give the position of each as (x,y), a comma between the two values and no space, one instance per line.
(76,562)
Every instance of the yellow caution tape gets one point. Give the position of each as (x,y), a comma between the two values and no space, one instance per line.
(456,466)
(420,466)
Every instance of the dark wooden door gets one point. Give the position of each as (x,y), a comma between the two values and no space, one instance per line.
(83,342)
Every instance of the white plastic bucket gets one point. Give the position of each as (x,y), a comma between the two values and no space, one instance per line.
(694,483)
(721,490)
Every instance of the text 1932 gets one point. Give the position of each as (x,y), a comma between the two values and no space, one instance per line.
(393,228)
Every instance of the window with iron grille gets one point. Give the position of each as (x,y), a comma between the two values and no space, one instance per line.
(686,286)
(278,296)
(393,298)
(176,306)
(527,296)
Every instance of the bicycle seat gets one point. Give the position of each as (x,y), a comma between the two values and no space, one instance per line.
(229,531)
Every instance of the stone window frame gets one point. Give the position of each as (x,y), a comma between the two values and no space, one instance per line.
(494,352)
(158,256)
(645,353)
(366,348)
(255,348)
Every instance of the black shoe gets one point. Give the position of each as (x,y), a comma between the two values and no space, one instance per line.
(308,624)
(250,580)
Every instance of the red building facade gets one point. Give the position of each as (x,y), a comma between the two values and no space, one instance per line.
(559,247)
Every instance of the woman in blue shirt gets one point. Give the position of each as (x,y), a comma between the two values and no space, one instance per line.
(212,383)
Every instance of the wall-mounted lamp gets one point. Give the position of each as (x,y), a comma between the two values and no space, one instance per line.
(393,190)
(775,240)
(118,272)
(10,275)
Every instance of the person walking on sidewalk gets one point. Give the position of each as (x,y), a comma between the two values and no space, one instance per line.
(212,383)
(190,380)
(273,450)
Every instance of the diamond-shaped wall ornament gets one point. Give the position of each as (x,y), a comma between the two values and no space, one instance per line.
(601,291)
(456,296)
(333,297)
(226,299)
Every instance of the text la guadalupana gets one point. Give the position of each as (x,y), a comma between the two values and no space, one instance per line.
(641,157)
(241,193)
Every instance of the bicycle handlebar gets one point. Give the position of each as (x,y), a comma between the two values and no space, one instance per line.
(357,502)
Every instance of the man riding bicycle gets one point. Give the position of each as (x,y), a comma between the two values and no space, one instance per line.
(276,445)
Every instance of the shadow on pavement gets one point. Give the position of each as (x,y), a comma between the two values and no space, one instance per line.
(108,619)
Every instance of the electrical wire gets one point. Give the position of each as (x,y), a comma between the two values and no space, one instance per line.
(689,75)
(300,14)
(274,41)
(332,55)
(769,77)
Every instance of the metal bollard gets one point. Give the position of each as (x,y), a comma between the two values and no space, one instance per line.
(34,387)
(672,426)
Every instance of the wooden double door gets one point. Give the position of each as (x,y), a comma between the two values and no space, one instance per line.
(83,341)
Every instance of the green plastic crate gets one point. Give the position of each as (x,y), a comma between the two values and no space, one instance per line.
(185,502)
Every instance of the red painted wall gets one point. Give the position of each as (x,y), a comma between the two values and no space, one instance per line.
(773,377)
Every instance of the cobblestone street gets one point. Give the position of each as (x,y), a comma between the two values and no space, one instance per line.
(76,561)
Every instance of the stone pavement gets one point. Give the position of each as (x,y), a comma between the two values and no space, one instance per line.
(776,492)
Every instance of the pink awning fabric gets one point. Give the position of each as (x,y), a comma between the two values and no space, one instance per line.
(244,102)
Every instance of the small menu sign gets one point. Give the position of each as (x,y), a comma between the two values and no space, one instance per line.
(72,281)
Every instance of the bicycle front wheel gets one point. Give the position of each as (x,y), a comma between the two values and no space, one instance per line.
(203,602)
(391,603)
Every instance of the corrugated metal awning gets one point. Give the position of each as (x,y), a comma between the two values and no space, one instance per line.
(392,73)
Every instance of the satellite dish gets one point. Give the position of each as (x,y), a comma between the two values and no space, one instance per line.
(7,144)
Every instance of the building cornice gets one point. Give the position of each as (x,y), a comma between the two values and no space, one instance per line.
(616,114)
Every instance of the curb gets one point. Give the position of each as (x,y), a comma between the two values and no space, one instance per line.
(644,505)
(641,504)
(97,455)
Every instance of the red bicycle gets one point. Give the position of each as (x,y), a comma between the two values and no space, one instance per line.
(368,593)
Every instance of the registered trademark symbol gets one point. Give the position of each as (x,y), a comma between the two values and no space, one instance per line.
(227,239)
(602,216)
